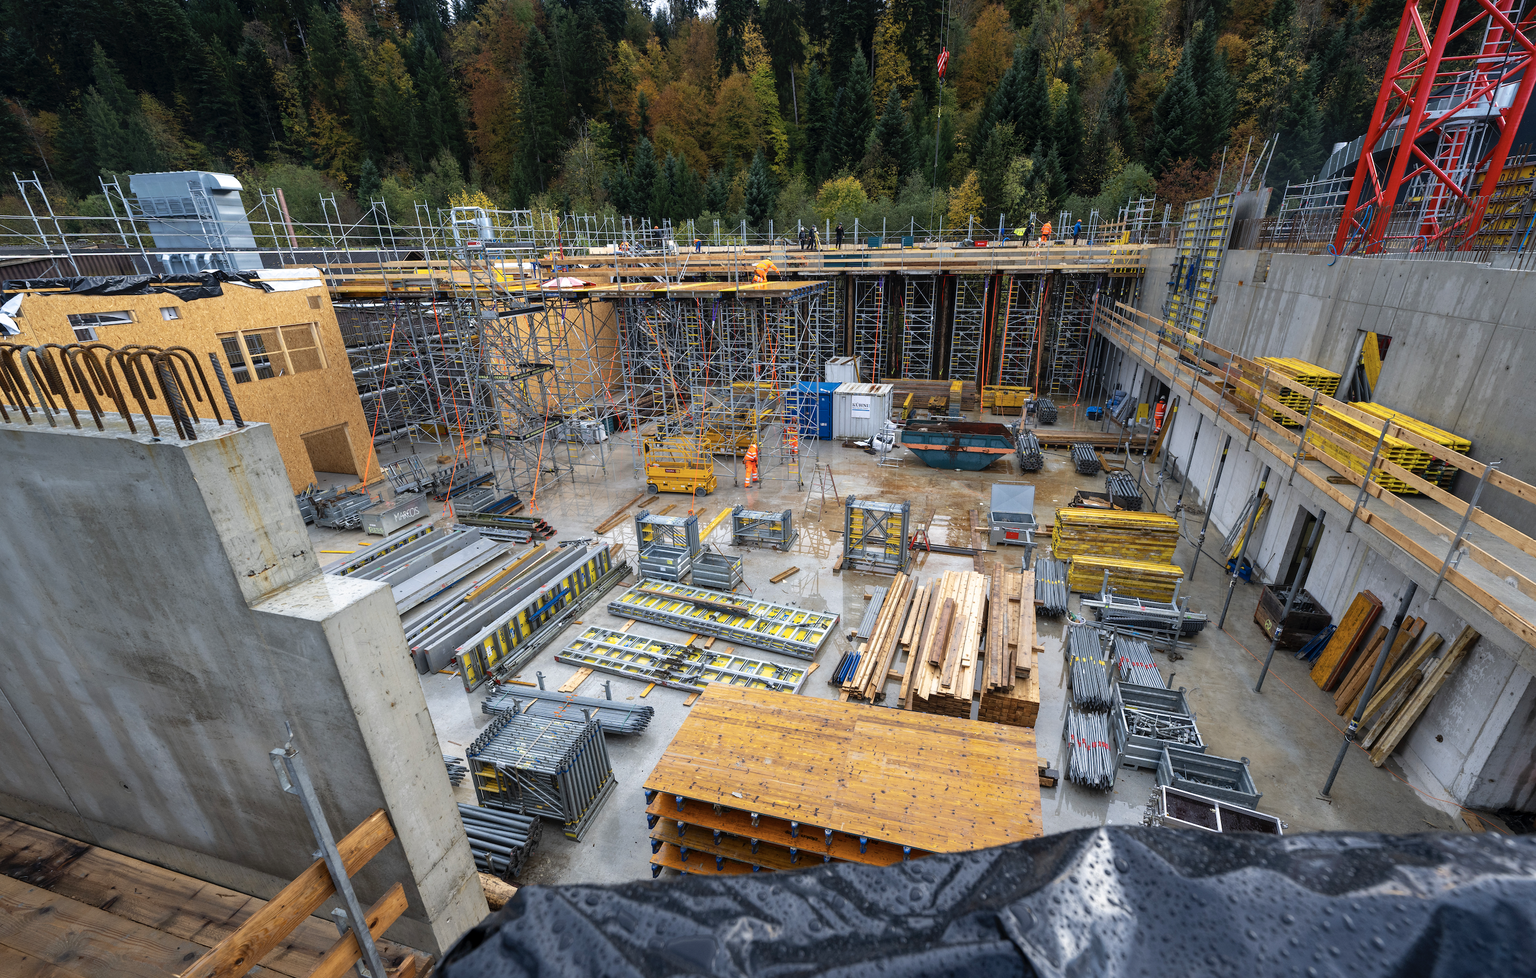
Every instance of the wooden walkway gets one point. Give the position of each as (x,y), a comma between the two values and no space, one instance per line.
(72,910)
(936,784)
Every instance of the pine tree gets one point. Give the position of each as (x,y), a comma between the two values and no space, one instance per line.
(1032,118)
(992,170)
(1300,151)
(893,136)
(717,190)
(731,18)
(644,173)
(1176,119)
(759,194)
(368,182)
(856,111)
(1218,92)
(1049,175)
(817,120)
(1069,137)
(781,36)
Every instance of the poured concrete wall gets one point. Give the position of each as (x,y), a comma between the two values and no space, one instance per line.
(164,617)
(1463,341)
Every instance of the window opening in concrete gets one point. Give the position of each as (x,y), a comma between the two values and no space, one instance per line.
(1301,532)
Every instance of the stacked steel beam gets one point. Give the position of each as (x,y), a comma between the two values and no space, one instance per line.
(1090,756)
(1085,458)
(500,841)
(1123,490)
(553,767)
(618,717)
(1051,586)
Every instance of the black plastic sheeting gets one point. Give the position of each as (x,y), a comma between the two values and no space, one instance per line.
(208,285)
(1095,902)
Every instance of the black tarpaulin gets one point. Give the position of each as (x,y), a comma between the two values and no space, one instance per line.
(1107,902)
(208,285)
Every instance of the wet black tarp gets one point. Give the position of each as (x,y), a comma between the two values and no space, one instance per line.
(1097,902)
(208,285)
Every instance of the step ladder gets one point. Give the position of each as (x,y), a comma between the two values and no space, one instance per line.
(820,483)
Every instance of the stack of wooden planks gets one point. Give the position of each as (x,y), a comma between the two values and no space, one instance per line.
(877,652)
(1116,533)
(1339,655)
(758,781)
(1402,697)
(941,674)
(1011,693)
(1349,689)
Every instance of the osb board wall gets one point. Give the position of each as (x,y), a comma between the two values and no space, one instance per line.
(292,405)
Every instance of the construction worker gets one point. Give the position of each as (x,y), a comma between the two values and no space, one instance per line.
(839,232)
(1158,412)
(1045,233)
(1077,231)
(792,437)
(750,461)
(762,269)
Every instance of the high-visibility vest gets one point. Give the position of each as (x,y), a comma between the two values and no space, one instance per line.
(1157,415)
(751,456)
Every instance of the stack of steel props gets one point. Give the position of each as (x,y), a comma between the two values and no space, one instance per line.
(1031,459)
(553,767)
(1051,586)
(501,841)
(1124,612)
(1045,410)
(617,717)
(456,769)
(1090,669)
(1135,660)
(1085,458)
(1123,490)
(1090,755)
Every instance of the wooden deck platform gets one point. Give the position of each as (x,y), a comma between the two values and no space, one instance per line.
(936,784)
(72,910)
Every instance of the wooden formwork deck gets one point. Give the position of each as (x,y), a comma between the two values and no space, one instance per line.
(937,784)
(69,909)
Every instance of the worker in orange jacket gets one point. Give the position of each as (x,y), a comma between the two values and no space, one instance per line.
(1158,412)
(762,269)
(750,461)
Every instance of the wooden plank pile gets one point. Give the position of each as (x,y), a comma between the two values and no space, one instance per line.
(876,653)
(929,394)
(1398,703)
(945,639)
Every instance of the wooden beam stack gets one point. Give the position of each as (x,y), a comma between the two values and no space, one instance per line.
(1015,698)
(945,656)
(877,652)
(1399,702)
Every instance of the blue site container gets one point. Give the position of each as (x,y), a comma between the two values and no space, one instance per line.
(811,402)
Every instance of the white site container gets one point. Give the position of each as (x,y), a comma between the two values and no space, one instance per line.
(859,410)
(843,370)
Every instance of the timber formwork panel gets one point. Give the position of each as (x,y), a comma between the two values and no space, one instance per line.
(920,313)
(754,781)
(969,328)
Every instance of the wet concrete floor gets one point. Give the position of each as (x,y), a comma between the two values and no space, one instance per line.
(1289,733)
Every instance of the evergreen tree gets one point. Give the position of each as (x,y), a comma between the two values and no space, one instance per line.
(644,174)
(368,182)
(1218,93)
(830,155)
(856,111)
(121,141)
(816,117)
(1032,118)
(781,36)
(689,192)
(664,195)
(893,137)
(992,171)
(731,18)
(535,117)
(759,193)
(1069,137)
(717,190)
(1300,151)
(1049,176)
(1176,118)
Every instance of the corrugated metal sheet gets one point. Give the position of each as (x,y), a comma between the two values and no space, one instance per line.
(858,410)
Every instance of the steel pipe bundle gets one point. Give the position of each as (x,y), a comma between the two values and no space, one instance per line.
(456,769)
(1136,665)
(1090,669)
(1123,490)
(552,767)
(1051,586)
(1031,459)
(1045,410)
(1090,756)
(500,841)
(1085,458)
(617,717)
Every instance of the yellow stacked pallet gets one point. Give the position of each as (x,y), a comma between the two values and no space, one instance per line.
(1435,470)
(1114,533)
(1131,578)
(1301,372)
(1333,433)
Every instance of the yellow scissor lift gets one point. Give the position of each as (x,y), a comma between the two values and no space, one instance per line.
(677,463)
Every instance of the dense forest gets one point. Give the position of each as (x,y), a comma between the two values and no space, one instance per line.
(755,110)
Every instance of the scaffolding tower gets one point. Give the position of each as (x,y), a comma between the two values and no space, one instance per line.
(972,293)
(871,324)
(920,316)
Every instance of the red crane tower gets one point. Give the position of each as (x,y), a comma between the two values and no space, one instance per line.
(1447,122)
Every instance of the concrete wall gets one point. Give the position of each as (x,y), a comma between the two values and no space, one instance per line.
(1463,341)
(164,616)
(1455,328)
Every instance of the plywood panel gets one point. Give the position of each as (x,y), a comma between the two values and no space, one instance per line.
(931,782)
(291,404)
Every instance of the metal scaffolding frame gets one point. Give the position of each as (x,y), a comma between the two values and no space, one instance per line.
(871,324)
(972,293)
(920,317)
(1018,325)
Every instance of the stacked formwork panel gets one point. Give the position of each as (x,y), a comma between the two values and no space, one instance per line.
(1202,246)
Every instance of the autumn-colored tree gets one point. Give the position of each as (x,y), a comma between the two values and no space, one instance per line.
(965,202)
(986,58)
(841,199)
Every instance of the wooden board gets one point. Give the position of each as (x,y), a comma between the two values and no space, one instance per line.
(1409,715)
(1350,690)
(574,683)
(1353,628)
(934,783)
(82,939)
